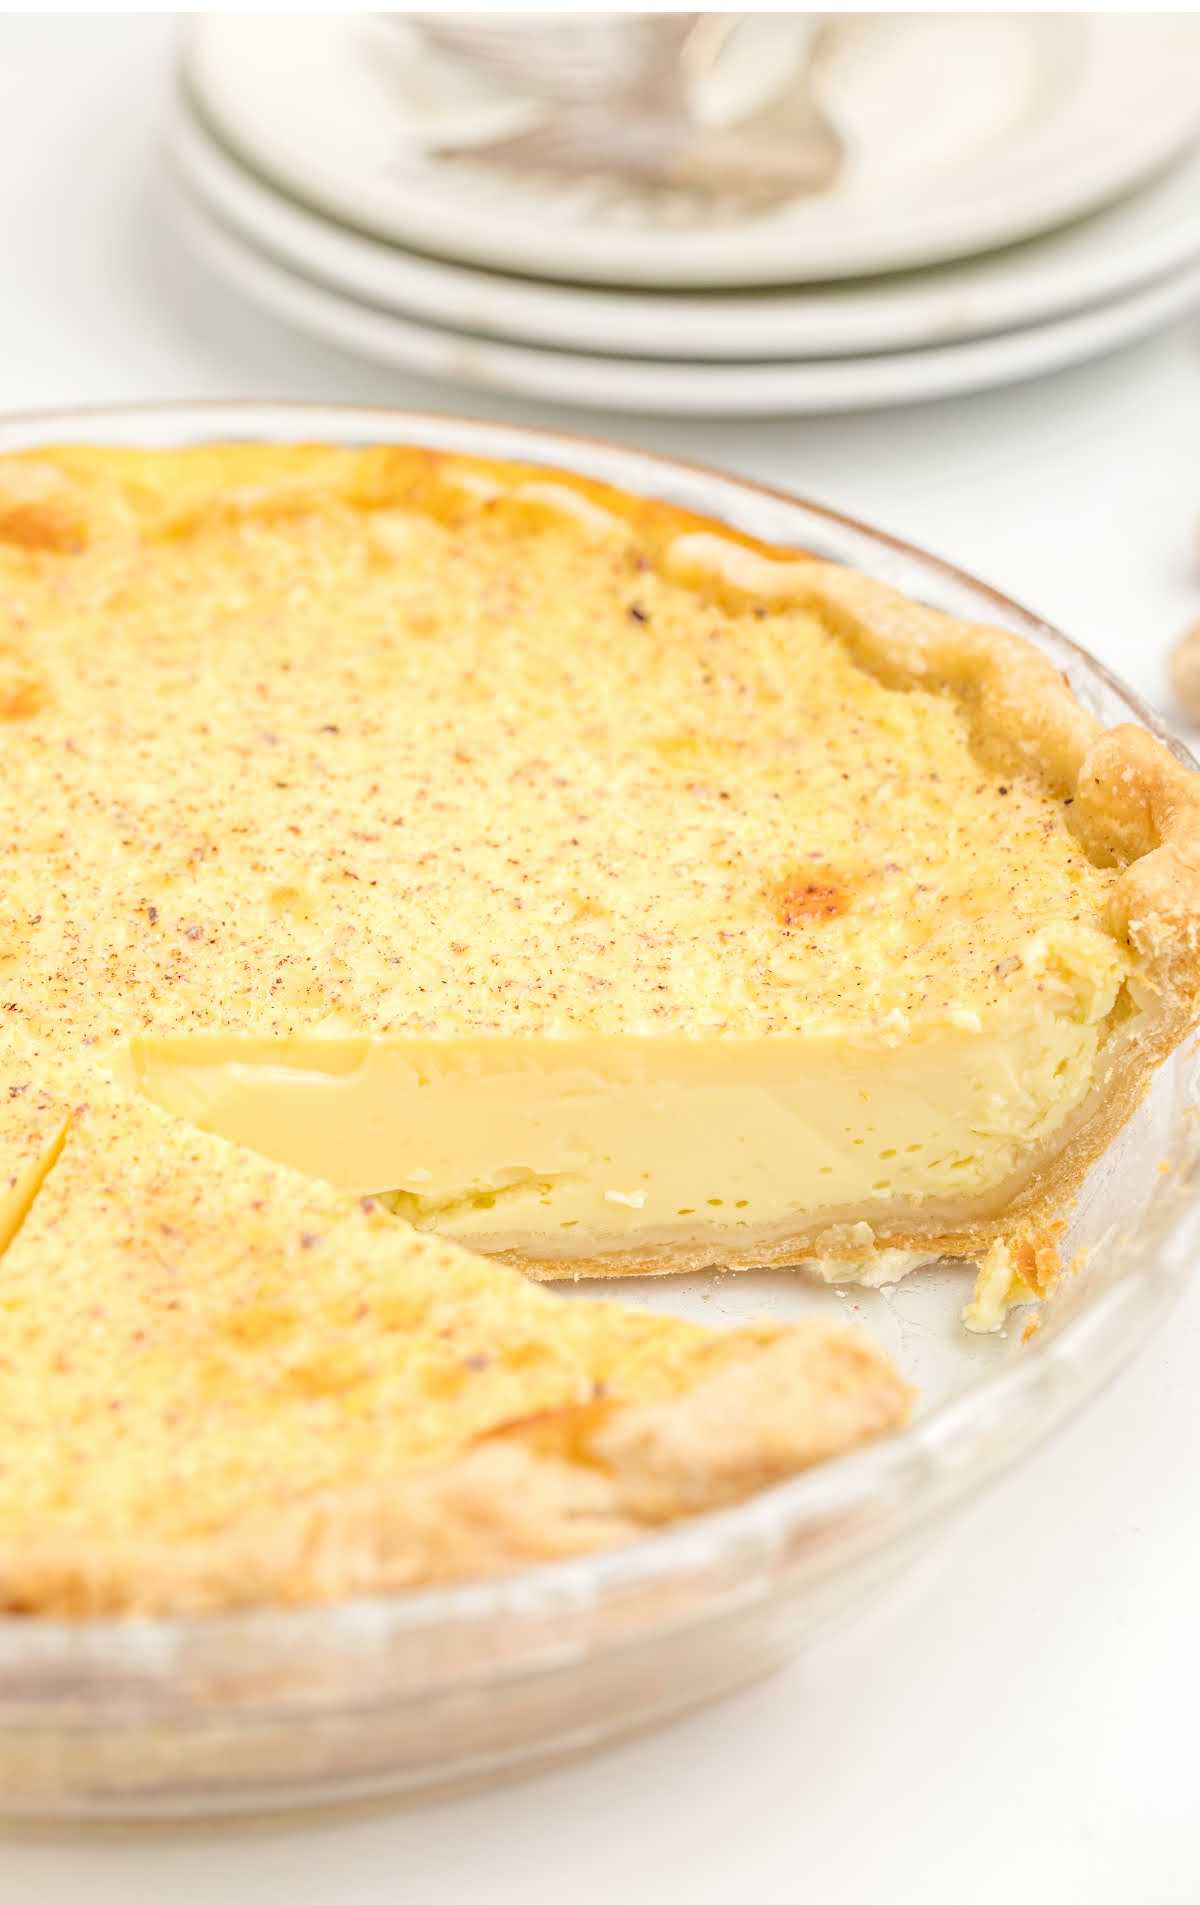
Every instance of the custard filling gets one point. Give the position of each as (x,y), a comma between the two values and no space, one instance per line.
(574,1144)
(594,887)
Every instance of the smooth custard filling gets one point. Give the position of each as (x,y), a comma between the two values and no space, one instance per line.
(435,838)
(511,1145)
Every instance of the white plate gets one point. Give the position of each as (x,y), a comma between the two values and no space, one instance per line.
(645,385)
(1147,236)
(1046,117)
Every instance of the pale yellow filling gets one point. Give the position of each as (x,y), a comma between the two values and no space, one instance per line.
(565,1146)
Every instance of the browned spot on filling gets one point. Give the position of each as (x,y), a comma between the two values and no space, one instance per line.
(51,526)
(258,1325)
(801,897)
(23,690)
(329,1372)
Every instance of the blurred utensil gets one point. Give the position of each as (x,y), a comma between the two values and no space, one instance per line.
(585,61)
(621,92)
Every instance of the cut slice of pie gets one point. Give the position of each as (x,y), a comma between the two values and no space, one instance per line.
(602,889)
(222,1383)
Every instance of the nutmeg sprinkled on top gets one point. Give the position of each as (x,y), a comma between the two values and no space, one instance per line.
(297,738)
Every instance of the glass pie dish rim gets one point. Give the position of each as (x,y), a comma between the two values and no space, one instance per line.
(934,1462)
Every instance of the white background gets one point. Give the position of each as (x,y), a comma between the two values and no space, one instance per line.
(1024,1728)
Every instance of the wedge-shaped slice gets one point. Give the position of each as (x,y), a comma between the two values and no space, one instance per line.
(222,1384)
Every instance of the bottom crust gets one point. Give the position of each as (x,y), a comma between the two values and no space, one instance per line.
(1029,1228)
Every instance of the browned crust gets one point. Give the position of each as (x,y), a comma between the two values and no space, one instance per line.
(780,1253)
(573,1483)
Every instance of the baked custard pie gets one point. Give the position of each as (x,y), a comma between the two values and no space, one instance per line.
(569,877)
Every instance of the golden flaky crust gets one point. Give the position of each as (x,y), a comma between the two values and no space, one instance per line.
(1034,1243)
(573,1482)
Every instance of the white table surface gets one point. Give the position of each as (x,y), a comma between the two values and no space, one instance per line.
(1024,1729)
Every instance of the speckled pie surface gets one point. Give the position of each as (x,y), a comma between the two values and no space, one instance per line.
(291,751)
(601,889)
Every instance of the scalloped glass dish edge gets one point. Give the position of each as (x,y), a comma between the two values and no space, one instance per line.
(425,1693)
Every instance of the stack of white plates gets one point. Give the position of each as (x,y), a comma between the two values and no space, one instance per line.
(1019,192)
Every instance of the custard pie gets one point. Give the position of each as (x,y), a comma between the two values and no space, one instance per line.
(587,883)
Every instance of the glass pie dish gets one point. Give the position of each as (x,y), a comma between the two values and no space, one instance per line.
(423,1692)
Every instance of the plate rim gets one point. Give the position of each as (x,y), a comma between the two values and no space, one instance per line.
(511,308)
(654,387)
(600,256)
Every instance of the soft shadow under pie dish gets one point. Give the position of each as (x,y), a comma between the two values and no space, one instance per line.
(426,1691)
